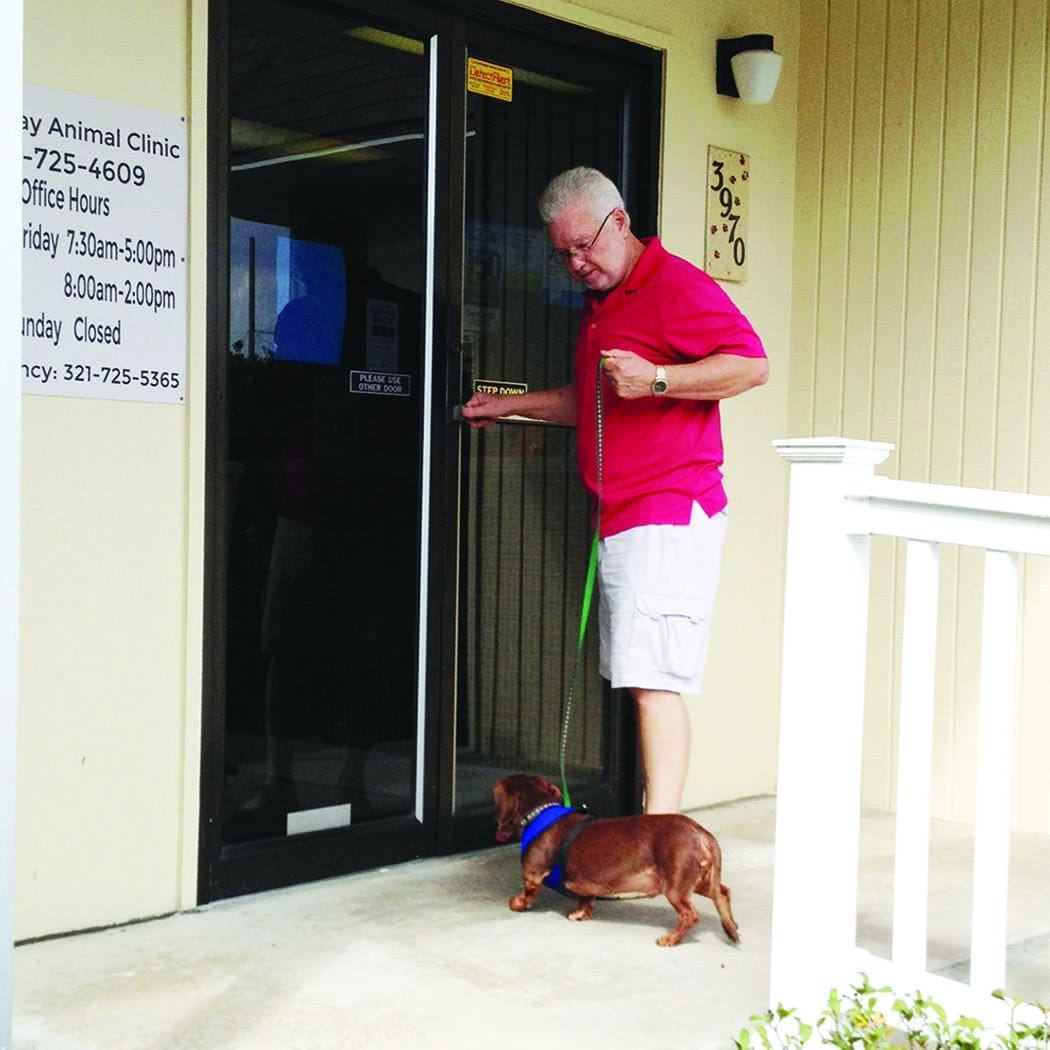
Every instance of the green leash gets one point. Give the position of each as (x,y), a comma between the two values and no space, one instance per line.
(588,593)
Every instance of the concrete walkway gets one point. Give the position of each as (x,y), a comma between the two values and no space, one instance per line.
(427,954)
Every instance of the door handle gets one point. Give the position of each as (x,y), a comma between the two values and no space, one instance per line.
(464,350)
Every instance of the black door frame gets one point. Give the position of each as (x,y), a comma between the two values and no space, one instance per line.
(225,871)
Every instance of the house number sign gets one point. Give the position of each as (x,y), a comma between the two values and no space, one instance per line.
(727,248)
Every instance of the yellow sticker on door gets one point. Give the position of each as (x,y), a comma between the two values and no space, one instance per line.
(484,78)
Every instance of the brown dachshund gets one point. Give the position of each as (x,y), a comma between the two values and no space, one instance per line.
(588,857)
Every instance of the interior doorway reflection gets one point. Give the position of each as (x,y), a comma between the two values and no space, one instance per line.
(326,203)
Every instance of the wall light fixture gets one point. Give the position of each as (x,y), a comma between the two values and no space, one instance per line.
(748,68)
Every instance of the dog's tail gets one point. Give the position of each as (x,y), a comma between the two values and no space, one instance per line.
(721,901)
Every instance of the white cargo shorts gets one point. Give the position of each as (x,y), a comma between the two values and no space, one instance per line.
(657,590)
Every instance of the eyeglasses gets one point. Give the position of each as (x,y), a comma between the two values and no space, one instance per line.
(566,255)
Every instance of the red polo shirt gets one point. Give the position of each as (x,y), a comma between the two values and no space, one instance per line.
(659,454)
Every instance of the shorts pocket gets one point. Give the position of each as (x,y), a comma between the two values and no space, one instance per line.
(670,628)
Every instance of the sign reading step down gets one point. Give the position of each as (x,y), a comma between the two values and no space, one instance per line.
(104,234)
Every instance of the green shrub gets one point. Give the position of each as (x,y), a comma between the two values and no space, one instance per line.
(864,1018)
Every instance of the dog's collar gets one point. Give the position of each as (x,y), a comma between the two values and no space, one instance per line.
(536,822)
(535,812)
(522,822)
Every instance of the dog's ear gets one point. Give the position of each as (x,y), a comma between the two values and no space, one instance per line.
(544,788)
(507,795)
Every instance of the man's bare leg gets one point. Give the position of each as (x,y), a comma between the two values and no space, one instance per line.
(664,741)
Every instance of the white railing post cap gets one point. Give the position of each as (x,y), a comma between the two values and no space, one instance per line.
(833,450)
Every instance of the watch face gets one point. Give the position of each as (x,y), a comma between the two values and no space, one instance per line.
(659,386)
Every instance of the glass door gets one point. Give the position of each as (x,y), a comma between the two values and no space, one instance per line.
(323,381)
(531,113)
(394,599)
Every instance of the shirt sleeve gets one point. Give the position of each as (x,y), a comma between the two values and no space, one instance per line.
(703,320)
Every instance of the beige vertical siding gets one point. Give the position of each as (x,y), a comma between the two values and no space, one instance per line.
(922,316)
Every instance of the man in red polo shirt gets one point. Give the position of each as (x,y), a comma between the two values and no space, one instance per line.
(673,345)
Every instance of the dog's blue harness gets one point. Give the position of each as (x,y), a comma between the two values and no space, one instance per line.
(543,820)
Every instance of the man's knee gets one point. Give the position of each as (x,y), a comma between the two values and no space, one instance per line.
(654,698)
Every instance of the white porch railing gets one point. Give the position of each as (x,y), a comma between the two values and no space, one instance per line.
(836,503)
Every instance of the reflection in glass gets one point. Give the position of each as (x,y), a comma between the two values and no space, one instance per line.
(326,197)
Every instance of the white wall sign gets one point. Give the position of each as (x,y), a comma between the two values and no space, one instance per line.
(728,172)
(104,235)
(389,384)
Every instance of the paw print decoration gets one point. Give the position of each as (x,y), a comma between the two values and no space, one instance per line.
(726,252)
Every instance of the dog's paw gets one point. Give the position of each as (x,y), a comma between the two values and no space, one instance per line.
(584,911)
(519,903)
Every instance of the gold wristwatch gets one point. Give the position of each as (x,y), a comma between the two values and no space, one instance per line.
(660,380)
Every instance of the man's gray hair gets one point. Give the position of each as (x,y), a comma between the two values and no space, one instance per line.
(578,182)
